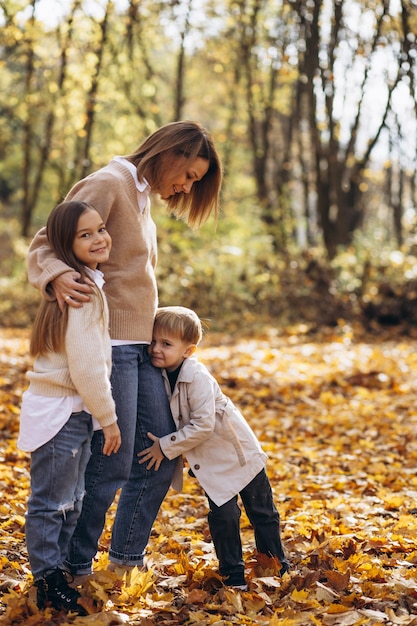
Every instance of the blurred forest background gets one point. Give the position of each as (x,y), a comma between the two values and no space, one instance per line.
(312,104)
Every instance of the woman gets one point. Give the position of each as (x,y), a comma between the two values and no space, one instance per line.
(180,163)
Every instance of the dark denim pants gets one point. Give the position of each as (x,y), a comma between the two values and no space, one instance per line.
(224,523)
(142,406)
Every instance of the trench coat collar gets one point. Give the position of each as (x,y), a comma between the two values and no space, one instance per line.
(187,373)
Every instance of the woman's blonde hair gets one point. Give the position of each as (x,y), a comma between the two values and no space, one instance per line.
(159,153)
(179,322)
(50,325)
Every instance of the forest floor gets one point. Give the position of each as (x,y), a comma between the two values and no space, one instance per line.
(336,414)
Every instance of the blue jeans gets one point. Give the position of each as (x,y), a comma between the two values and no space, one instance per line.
(224,524)
(57,490)
(141,405)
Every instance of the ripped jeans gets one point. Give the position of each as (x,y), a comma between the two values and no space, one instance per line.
(57,490)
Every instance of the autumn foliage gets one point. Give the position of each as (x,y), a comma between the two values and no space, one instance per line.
(336,415)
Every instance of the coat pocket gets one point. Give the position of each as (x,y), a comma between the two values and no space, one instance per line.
(228,432)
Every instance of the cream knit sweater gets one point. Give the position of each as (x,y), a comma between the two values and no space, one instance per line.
(84,367)
(130,271)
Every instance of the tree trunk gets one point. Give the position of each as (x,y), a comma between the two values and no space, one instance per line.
(28,129)
(179,97)
(45,146)
(92,94)
(337,171)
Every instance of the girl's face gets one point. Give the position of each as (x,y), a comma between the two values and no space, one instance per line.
(92,242)
(181,178)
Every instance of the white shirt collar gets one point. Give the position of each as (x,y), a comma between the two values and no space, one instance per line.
(142,186)
(97,276)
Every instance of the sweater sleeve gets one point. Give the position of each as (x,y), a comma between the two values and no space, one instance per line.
(98,190)
(43,265)
(101,189)
(89,360)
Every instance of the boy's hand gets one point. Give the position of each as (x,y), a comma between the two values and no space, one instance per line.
(112,439)
(153,455)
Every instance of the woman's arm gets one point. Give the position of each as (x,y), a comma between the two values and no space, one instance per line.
(53,278)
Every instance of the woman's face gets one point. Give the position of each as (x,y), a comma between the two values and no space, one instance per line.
(181,176)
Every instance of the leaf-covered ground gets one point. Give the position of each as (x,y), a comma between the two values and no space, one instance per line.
(336,415)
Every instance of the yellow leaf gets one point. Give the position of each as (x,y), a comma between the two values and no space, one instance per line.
(300,596)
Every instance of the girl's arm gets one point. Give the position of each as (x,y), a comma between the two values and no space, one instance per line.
(88,350)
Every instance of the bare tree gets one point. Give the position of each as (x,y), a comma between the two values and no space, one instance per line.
(31,192)
(260,59)
(409,47)
(337,165)
(179,95)
(83,156)
(28,125)
(138,43)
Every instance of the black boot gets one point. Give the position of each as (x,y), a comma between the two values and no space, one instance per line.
(54,590)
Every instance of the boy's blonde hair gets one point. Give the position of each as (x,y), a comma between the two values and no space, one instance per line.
(179,322)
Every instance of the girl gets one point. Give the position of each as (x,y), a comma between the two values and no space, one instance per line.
(178,162)
(69,383)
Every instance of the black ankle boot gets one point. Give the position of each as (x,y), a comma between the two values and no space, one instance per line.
(54,590)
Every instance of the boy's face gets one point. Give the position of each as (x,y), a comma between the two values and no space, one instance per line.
(168,352)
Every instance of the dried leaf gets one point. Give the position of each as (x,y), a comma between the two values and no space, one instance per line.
(336,416)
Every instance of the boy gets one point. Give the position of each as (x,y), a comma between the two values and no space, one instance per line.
(220,447)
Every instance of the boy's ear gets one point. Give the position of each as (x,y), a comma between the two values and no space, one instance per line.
(190,351)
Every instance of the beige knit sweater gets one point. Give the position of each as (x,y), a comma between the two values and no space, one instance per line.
(84,367)
(130,271)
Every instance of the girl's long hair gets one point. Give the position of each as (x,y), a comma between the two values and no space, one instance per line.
(159,153)
(49,327)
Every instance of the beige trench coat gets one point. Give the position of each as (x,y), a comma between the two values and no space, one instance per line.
(214,437)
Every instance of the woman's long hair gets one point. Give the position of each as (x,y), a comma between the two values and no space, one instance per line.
(50,325)
(159,153)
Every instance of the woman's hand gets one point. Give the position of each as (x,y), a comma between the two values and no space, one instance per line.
(70,292)
(112,439)
(153,455)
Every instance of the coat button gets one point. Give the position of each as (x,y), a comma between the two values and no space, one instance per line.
(179,418)
(196,466)
(173,438)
